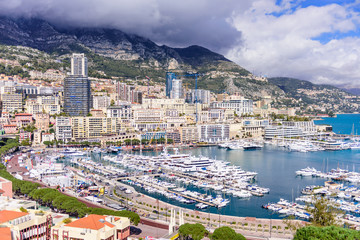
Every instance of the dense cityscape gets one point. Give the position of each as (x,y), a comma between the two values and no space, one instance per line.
(107,135)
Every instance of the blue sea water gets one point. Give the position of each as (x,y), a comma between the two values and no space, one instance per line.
(276,170)
(343,123)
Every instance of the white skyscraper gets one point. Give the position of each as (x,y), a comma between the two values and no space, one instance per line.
(177,89)
(79,65)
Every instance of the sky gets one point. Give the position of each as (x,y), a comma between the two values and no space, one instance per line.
(315,40)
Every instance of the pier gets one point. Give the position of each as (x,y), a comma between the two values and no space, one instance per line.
(170,191)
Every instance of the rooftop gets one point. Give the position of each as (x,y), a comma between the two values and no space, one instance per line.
(5,233)
(92,221)
(6,215)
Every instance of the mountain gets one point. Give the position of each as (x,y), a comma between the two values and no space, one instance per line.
(355,91)
(304,94)
(123,55)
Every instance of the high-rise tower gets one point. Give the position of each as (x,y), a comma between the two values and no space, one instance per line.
(77,92)
(169,78)
(79,65)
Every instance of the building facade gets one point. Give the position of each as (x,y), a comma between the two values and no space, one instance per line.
(176,89)
(63,129)
(11,102)
(213,133)
(169,78)
(79,65)
(240,106)
(94,227)
(77,91)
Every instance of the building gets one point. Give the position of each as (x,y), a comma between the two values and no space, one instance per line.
(97,113)
(122,110)
(101,102)
(43,104)
(174,135)
(145,119)
(169,78)
(24,135)
(27,225)
(94,127)
(42,121)
(47,137)
(136,97)
(79,65)
(122,91)
(50,74)
(176,89)
(94,227)
(240,106)
(5,188)
(10,128)
(189,134)
(63,128)
(11,102)
(283,131)
(253,128)
(203,96)
(37,137)
(213,132)
(23,119)
(307,127)
(77,92)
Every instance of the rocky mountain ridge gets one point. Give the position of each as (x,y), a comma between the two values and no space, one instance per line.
(123,55)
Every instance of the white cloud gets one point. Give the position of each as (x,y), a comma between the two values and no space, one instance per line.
(284,45)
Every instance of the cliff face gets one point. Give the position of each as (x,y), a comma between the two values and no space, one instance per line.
(137,54)
(111,43)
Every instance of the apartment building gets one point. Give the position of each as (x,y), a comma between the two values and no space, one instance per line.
(42,121)
(94,127)
(122,110)
(63,129)
(11,102)
(27,225)
(241,106)
(47,104)
(189,134)
(213,132)
(94,227)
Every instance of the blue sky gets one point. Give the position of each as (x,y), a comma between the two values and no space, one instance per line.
(316,40)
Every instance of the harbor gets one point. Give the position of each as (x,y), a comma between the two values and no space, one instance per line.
(275,170)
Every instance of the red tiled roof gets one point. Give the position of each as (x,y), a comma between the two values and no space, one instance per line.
(6,215)
(23,114)
(5,233)
(91,222)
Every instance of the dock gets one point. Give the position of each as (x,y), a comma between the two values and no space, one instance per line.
(170,191)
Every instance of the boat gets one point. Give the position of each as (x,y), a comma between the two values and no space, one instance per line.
(201,206)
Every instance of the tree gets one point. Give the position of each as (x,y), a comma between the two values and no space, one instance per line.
(26,142)
(127,141)
(323,212)
(48,143)
(331,114)
(29,128)
(226,233)
(328,233)
(195,231)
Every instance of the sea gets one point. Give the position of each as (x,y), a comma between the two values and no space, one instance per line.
(276,170)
